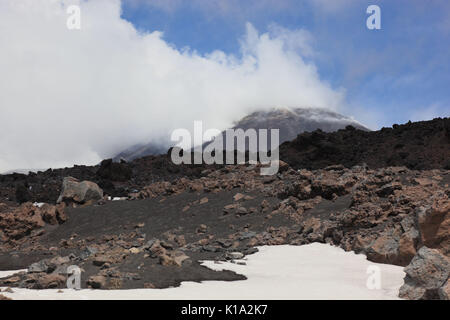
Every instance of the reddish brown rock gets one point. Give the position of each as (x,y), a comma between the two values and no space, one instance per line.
(53,214)
(203,200)
(328,186)
(21,221)
(407,246)
(173,259)
(229,207)
(51,281)
(434,226)
(180,240)
(385,249)
(238,196)
(149,285)
(96,282)
(156,249)
(202,229)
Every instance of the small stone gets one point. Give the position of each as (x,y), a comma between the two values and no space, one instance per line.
(202,228)
(241,211)
(229,207)
(210,248)
(166,260)
(135,250)
(234,255)
(247,235)
(40,266)
(101,260)
(97,282)
(238,196)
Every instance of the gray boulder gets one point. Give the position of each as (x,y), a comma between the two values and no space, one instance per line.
(426,276)
(74,191)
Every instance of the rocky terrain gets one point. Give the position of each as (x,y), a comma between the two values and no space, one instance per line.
(171,217)
(418,145)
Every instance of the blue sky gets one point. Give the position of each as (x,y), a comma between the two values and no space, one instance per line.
(392,75)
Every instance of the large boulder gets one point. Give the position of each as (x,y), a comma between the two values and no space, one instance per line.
(393,247)
(74,191)
(385,249)
(434,225)
(426,276)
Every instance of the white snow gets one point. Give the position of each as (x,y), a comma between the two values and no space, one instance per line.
(315,271)
(4,274)
(119,198)
(38,204)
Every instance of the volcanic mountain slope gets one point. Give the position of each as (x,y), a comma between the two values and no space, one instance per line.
(139,151)
(293,121)
(290,122)
(418,145)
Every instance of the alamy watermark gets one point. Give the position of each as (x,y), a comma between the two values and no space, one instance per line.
(74,278)
(373,22)
(374,279)
(209,147)
(74,19)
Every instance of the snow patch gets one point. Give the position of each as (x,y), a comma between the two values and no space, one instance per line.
(314,271)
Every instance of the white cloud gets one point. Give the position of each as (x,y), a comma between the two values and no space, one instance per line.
(79,96)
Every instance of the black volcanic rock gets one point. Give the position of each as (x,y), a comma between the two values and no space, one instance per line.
(419,145)
(114,171)
(22,194)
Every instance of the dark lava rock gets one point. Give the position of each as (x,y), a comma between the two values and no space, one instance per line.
(418,145)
